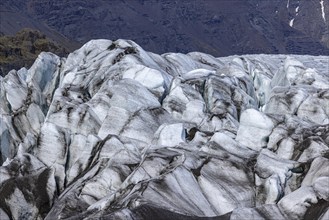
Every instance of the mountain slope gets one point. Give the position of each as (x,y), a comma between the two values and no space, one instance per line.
(115,132)
(311,17)
(220,27)
(14,17)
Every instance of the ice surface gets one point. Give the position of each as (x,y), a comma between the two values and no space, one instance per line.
(113,131)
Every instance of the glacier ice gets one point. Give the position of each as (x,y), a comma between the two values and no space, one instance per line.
(115,132)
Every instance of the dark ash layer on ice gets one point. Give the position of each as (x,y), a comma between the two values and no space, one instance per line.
(115,132)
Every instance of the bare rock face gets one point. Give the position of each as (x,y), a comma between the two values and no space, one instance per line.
(217,27)
(115,132)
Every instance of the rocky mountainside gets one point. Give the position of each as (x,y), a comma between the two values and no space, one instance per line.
(14,16)
(310,17)
(115,132)
(23,48)
(218,27)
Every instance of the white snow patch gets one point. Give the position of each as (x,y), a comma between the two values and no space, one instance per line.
(291,22)
(323,12)
(288,4)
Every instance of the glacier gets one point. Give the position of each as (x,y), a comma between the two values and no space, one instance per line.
(116,132)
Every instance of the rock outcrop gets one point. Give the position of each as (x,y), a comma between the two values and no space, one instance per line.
(24,47)
(115,132)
